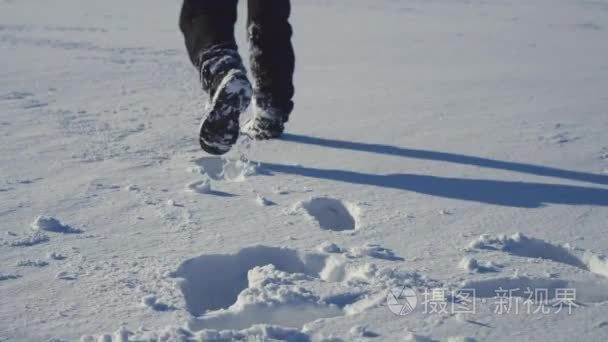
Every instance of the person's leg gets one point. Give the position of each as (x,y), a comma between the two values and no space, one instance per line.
(272,58)
(208,28)
(207,24)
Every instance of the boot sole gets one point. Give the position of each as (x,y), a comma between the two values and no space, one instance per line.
(220,128)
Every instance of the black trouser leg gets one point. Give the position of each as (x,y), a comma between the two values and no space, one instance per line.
(208,27)
(271,55)
(207,23)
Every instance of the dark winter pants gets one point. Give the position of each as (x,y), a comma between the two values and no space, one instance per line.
(210,23)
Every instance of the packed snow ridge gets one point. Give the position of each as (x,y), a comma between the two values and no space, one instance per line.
(51,224)
(29,240)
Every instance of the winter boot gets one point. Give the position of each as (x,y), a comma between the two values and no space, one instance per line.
(225,80)
(266,123)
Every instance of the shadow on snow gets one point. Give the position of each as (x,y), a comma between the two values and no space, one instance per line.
(504,193)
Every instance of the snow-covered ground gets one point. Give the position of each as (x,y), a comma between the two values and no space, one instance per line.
(455,145)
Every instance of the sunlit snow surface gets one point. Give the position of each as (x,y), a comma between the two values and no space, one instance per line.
(434,144)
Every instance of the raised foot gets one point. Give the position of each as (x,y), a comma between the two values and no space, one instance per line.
(220,128)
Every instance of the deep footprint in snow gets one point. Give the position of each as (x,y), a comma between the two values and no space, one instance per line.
(589,289)
(284,287)
(330,213)
(523,246)
(256,285)
(214,281)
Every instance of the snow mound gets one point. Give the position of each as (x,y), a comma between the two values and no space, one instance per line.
(55,256)
(51,224)
(4,277)
(329,247)
(260,332)
(329,213)
(411,337)
(461,339)
(32,263)
(263,201)
(121,335)
(472,265)
(64,275)
(362,331)
(374,251)
(152,302)
(32,239)
(132,188)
